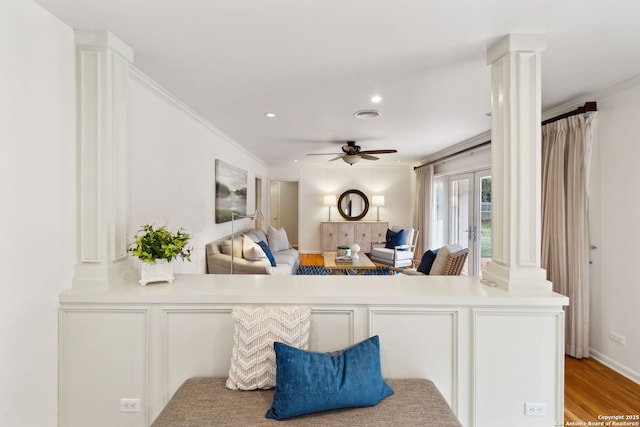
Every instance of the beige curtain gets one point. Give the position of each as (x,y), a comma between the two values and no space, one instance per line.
(565,231)
(422,210)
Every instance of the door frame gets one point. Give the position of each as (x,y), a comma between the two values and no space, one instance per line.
(474,216)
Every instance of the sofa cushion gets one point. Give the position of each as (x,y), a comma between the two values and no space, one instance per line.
(441,258)
(312,382)
(252,251)
(427,261)
(253,363)
(394,239)
(386,254)
(265,248)
(252,235)
(225,247)
(260,234)
(278,240)
(284,257)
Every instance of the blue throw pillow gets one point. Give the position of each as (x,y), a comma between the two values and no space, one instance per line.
(394,239)
(311,382)
(267,251)
(427,261)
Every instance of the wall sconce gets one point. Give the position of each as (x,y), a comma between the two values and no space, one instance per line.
(256,216)
(330,200)
(377,201)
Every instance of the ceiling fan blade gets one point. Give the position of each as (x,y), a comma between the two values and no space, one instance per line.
(367,156)
(335,158)
(378,151)
(325,154)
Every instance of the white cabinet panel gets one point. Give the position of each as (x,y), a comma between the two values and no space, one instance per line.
(534,362)
(419,343)
(346,233)
(363,235)
(329,232)
(103,358)
(331,329)
(196,342)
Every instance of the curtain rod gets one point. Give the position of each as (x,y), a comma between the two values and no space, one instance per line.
(481,144)
(587,107)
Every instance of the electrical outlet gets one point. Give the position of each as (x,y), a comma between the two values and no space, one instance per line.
(617,338)
(129,405)
(535,409)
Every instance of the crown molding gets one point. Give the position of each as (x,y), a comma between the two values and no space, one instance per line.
(154,86)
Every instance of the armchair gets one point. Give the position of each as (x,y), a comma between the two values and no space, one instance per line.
(449,261)
(397,255)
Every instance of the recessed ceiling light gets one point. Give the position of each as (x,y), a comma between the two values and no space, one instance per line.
(270,115)
(376,99)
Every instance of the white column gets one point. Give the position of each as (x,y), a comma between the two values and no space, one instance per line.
(103,63)
(516,154)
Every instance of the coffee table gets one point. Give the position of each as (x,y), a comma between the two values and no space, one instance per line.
(356,266)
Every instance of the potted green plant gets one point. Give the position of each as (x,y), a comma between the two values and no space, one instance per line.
(344,250)
(156,248)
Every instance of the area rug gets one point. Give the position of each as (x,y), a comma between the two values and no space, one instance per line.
(318,270)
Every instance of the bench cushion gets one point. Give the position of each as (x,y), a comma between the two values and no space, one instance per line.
(206,402)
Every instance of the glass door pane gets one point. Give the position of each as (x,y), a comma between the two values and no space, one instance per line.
(483,178)
(461,214)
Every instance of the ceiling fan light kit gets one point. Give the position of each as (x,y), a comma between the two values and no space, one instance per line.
(351,158)
(351,153)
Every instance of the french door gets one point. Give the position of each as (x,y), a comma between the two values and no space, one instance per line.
(469,218)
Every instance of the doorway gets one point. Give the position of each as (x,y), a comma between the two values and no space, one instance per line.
(283,208)
(463,215)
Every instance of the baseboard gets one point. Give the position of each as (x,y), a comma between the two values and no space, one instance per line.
(618,367)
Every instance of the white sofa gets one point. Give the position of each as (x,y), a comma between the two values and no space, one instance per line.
(219,262)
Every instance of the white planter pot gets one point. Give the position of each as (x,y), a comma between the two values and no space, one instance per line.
(158,271)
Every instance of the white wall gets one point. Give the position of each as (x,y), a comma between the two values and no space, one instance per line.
(172,163)
(614,211)
(396,183)
(38,209)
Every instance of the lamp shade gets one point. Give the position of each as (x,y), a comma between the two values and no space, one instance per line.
(377,200)
(330,200)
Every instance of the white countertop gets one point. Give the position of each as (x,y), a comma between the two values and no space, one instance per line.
(271,289)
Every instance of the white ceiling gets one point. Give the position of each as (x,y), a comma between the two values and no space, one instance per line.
(315,62)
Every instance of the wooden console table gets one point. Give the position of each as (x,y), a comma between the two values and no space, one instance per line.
(335,233)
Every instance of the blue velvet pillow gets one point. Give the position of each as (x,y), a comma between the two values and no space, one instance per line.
(394,239)
(267,251)
(311,382)
(427,261)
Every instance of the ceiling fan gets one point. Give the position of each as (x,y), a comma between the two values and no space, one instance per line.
(351,153)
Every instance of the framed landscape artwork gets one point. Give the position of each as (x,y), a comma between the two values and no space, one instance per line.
(231,191)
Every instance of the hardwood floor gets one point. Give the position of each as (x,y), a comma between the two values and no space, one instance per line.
(591,389)
(311,259)
(316,259)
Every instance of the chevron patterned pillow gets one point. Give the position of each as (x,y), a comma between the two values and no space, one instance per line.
(253,360)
